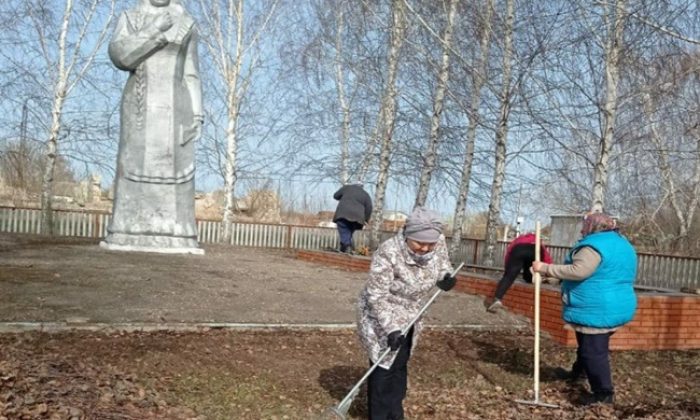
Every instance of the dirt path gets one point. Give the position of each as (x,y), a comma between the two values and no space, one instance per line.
(59,279)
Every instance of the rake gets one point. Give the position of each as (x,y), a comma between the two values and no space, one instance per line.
(340,411)
(537,279)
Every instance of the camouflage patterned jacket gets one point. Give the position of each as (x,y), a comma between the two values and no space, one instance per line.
(395,292)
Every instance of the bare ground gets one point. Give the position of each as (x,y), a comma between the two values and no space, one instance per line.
(455,374)
(57,279)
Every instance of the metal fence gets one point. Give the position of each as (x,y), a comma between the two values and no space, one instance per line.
(654,270)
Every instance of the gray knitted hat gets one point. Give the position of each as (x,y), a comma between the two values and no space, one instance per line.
(423,225)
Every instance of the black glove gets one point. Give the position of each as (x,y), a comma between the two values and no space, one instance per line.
(395,340)
(447,282)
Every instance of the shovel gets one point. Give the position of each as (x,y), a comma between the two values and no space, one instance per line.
(340,411)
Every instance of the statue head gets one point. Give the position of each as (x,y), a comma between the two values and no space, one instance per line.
(158,3)
(157,6)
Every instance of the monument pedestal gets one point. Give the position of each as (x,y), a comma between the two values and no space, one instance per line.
(151,243)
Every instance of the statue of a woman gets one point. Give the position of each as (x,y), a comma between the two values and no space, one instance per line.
(161,118)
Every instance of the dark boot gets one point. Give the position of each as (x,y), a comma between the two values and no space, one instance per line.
(571,376)
(599,398)
(343,248)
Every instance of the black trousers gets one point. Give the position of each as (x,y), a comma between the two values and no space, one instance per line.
(593,358)
(345,231)
(520,259)
(386,388)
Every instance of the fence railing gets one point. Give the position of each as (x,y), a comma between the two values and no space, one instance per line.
(653,270)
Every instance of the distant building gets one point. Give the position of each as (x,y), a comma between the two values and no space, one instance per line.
(566,229)
(393,220)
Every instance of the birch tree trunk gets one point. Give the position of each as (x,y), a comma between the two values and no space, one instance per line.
(70,68)
(388,115)
(478,80)
(695,197)
(429,160)
(666,172)
(684,212)
(501,138)
(368,157)
(59,98)
(614,23)
(236,64)
(233,99)
(342,100)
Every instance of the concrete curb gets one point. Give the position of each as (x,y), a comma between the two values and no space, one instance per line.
(57,327)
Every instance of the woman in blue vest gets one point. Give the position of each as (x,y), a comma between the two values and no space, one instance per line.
(597,298)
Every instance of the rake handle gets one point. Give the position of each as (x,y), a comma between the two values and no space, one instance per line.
(537,279)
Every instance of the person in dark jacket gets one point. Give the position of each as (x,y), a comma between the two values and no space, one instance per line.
(519,257)
(353,211)
(598,297)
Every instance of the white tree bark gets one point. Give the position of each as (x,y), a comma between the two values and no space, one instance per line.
(233,101)
(684,210)
(667,175)
(614,17)
(230,51)
(342,100)
(478,81)
(695,197)
(501,137)
(388,115)
(70,67)
(429,160)
(369,157)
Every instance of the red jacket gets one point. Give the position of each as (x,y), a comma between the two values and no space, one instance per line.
(528,238)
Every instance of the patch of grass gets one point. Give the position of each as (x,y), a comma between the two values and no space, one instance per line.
(222,396)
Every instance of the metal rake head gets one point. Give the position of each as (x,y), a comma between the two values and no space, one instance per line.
(336,413)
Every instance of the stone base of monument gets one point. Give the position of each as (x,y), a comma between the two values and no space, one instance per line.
(151,243)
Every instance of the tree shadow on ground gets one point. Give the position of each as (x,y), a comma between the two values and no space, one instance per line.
(520,361)
(514,359)
(507,356)
(338,380)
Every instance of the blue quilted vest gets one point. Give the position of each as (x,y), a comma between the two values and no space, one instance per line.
(606,299)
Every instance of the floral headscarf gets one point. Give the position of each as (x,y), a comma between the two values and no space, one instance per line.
(597,222)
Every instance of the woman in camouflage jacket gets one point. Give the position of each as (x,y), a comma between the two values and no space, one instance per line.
(403,273)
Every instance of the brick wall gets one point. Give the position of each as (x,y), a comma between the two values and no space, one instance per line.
(662,321)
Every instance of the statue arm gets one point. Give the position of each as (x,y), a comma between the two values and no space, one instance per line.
(192,80)
(130,47)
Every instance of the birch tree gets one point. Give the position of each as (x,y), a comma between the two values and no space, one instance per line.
(683,210)
(342,98)
(670,93)
(614,16)
(338,37)
(430,156)
(68,54)
(387,116)
(232,47)
(505,103)
(478,79)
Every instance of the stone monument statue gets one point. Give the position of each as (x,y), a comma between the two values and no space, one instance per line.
(161,119)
